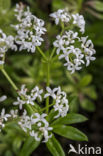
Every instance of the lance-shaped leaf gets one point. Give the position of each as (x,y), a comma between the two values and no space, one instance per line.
(98,5)
(54,147)
(86,80)
(71,118)
(29,146)
(51,115)
(69,132)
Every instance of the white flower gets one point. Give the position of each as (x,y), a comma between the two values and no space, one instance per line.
(3,98)
(61,104)
(89,50)
(23,90)
(27,123)
(36,93)
(63,42)
(44,131)
(28,98)
(61,15)
(51,92)
(4,116)
(59,43)
(60,100)
(14,113)
(19,102)
(79,21)
(75,57)
(35,135)
(29,30)
(37,118)
(6,42)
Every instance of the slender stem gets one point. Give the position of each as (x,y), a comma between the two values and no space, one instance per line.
(28,107)
(48,79)
(62,25)
(42,53)
(48,107)
(53,51)
(9,79)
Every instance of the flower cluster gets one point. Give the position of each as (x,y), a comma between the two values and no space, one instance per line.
(36,125)
(59,97)
(29,29)
(6,42)
(26,98)
(60,100)
(75,50)
(4,117)
(62,15)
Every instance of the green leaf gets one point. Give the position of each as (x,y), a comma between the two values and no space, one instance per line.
(57,5)
(90,91)
(98,5)
(95,32)
(86,80)
(51,115)
(29,146)
(69,132)
(88,105)
(54,147)
(73,104)
(71,118)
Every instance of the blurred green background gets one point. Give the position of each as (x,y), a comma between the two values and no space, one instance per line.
(24,68)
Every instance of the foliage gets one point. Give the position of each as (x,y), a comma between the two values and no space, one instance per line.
(30,70)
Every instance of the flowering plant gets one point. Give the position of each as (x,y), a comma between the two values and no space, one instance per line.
(37,123)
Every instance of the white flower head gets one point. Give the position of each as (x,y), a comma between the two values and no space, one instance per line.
(39,121)
(89,50)
(61,103)
(35,135)
(29,30)
(75,56)
(6,42)
(79,21)
(14,113)
(36,93)
(3,118)
(19,102)
(51,92)
(61,15)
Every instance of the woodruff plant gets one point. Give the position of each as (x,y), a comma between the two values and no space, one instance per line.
(36,122)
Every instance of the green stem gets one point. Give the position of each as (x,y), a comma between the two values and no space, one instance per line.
(53,51)
(9,79)
(46,107)
(48,79)
(28,107)
(41,52)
